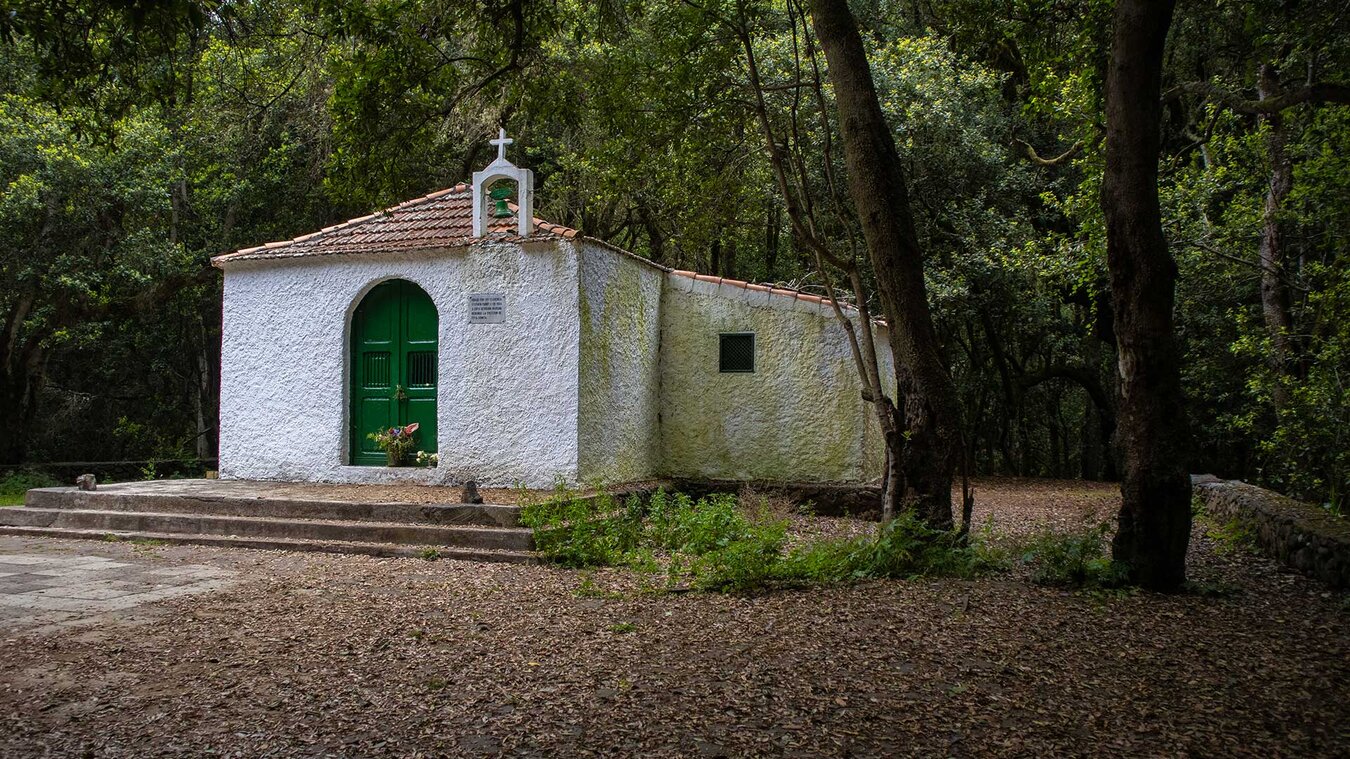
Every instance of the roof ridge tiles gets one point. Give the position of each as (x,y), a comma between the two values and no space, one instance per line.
(770,289)
(406,226)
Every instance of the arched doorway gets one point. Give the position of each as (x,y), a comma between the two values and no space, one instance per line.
(393,369)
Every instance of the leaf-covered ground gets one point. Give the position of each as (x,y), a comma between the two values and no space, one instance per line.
(353,656)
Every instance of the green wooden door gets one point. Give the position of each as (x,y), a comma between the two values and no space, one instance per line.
(393,367)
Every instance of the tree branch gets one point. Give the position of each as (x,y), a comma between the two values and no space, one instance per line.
(1316,93)
(1036,158)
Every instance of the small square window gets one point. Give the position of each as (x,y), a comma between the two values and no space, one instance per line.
(737,352)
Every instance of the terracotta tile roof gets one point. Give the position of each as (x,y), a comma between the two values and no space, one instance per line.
(798,294)
(443,219)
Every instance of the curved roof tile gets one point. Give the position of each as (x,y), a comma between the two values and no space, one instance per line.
(442,219)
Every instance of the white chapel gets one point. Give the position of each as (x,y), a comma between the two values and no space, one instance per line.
(527,353)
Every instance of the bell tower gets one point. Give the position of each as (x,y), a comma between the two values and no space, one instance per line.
(485,209)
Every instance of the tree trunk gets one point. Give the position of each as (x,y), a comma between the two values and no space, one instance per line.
(204,392)
(20,382)
(656,249)
(877,185)
(12,431)
(1155,513)
(1274,298)
(771,235)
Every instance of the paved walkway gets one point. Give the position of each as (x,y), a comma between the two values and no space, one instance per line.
(47,588)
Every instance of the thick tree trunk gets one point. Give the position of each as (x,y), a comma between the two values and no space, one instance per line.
(19,386)
(1155,514)
(877,186)
(1274,297)
(12,431)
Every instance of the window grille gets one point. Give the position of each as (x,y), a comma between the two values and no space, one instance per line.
(375,370)
(737,352)
(422,369)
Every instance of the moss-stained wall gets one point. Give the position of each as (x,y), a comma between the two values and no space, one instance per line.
(618,429)
(799,416)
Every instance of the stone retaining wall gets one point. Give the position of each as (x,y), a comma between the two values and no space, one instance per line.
(1301,535)
(65,472)
(826,499)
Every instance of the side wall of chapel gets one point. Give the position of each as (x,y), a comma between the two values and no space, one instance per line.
(619,424)
(799,416)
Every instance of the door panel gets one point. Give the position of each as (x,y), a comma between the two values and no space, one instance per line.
(420,329)
(394,333)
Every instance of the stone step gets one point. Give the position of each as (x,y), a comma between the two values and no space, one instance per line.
(496,538)
(383,550)
(115,498)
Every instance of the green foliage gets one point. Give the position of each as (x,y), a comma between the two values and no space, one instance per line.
(1072,560)
(719,544)
(905,547)
(14,484)
(1232,536)
(585,531)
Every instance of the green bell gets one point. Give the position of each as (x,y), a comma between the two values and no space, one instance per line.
(500,194)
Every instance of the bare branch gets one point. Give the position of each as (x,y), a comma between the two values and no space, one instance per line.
(1036,158)
(1316,93)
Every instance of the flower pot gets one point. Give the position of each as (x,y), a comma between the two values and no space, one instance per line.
(394,458)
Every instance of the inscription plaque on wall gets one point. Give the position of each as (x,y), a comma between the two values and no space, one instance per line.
(487,308)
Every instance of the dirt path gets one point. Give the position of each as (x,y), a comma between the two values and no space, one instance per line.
(350,656)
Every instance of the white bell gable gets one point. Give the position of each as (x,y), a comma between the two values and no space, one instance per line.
(498,170)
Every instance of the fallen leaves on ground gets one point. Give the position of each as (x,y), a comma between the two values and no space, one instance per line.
(351,656)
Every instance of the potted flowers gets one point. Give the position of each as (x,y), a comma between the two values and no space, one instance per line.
(396,442)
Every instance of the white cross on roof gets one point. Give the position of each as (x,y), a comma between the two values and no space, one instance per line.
(501,142)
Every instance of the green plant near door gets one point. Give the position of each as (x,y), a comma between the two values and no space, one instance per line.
(397,443)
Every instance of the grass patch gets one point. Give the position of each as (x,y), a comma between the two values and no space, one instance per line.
(1230,537)
(723,544)
(1233,536)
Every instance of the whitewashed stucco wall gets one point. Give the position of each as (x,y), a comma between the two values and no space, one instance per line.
(508,393)
(798,417)
(620,367)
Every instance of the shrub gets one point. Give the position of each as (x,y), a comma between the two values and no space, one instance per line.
(752,560)
(579,531)
(1072,560)
(15,484)
(720,544)
(904,547)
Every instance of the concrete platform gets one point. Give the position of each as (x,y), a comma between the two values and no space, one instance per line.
(272,499)
(42,589)
(274,516)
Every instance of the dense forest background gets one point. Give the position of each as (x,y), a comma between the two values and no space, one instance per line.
(138,139)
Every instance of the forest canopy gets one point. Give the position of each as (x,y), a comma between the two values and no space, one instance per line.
(139,138)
